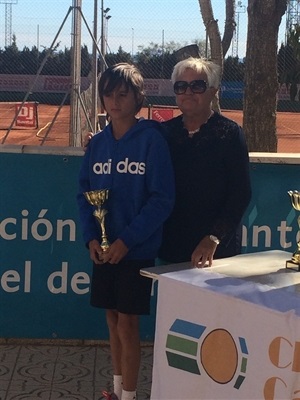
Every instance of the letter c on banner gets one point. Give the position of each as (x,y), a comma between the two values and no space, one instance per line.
(3,233)
(269,388)
(279,350)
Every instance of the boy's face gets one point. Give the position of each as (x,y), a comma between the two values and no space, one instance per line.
(120,103)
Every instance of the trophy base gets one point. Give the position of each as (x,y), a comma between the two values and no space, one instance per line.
(289,264)
(105,246)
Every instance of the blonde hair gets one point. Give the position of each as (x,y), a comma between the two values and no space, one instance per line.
(211,70)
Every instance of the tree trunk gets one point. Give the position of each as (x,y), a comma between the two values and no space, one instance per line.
(230,26)
(212,30)
(261,80)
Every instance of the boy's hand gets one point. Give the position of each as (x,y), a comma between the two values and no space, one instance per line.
(116,252)
(95,251)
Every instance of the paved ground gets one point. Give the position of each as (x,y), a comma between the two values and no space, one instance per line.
(288,127)
(52,372)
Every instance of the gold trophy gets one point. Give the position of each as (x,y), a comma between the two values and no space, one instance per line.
(97,198)
(294,263)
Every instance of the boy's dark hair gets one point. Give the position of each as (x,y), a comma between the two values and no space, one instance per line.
(122,74)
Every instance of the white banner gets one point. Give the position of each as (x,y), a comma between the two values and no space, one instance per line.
(61,84)
(42,83)
(213,346)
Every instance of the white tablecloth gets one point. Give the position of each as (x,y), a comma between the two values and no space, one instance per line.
(231,331)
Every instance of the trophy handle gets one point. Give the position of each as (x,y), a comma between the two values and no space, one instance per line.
(294,262)
(297,252)
(99,214)
(97,198)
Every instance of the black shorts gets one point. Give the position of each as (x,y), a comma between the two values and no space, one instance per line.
(121,287)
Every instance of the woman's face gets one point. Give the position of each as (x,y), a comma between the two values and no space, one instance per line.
(192,103)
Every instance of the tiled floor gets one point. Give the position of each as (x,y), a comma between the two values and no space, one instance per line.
(50,372)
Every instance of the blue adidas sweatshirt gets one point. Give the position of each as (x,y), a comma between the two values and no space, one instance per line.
(138,172)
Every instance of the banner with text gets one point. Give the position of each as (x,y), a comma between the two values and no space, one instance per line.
(45,267)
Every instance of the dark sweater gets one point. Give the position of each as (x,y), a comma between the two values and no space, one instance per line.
(212,187)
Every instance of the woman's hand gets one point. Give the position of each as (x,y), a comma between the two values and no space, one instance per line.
(203,254)
(86,140)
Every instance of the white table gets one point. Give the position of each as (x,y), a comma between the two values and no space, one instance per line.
(231,331)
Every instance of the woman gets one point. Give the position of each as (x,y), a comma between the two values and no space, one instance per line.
(211,166)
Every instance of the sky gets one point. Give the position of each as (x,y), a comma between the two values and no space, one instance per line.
(132,23)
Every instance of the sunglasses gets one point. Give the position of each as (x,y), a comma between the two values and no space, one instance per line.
(197,86)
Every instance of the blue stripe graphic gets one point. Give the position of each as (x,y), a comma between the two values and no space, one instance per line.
(243,345)
(187,328)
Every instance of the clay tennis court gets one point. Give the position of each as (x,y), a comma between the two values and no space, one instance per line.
(288,127)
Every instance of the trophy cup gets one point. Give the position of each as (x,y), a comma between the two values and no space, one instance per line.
(294,263)
(97,198)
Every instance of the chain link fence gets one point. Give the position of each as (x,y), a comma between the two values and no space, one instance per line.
(36,59)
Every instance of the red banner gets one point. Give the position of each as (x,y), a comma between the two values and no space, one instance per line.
(162,114)
(28,115)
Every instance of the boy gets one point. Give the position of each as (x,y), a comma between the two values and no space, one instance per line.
(131,159)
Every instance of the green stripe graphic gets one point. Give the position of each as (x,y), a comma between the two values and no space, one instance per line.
(184,363)
(181,344)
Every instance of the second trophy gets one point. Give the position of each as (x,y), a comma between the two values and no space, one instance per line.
(98,198)
(294,263)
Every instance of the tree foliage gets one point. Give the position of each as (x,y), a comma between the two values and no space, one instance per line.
(28,61)
(234,69)
(155,60)
(120,56)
